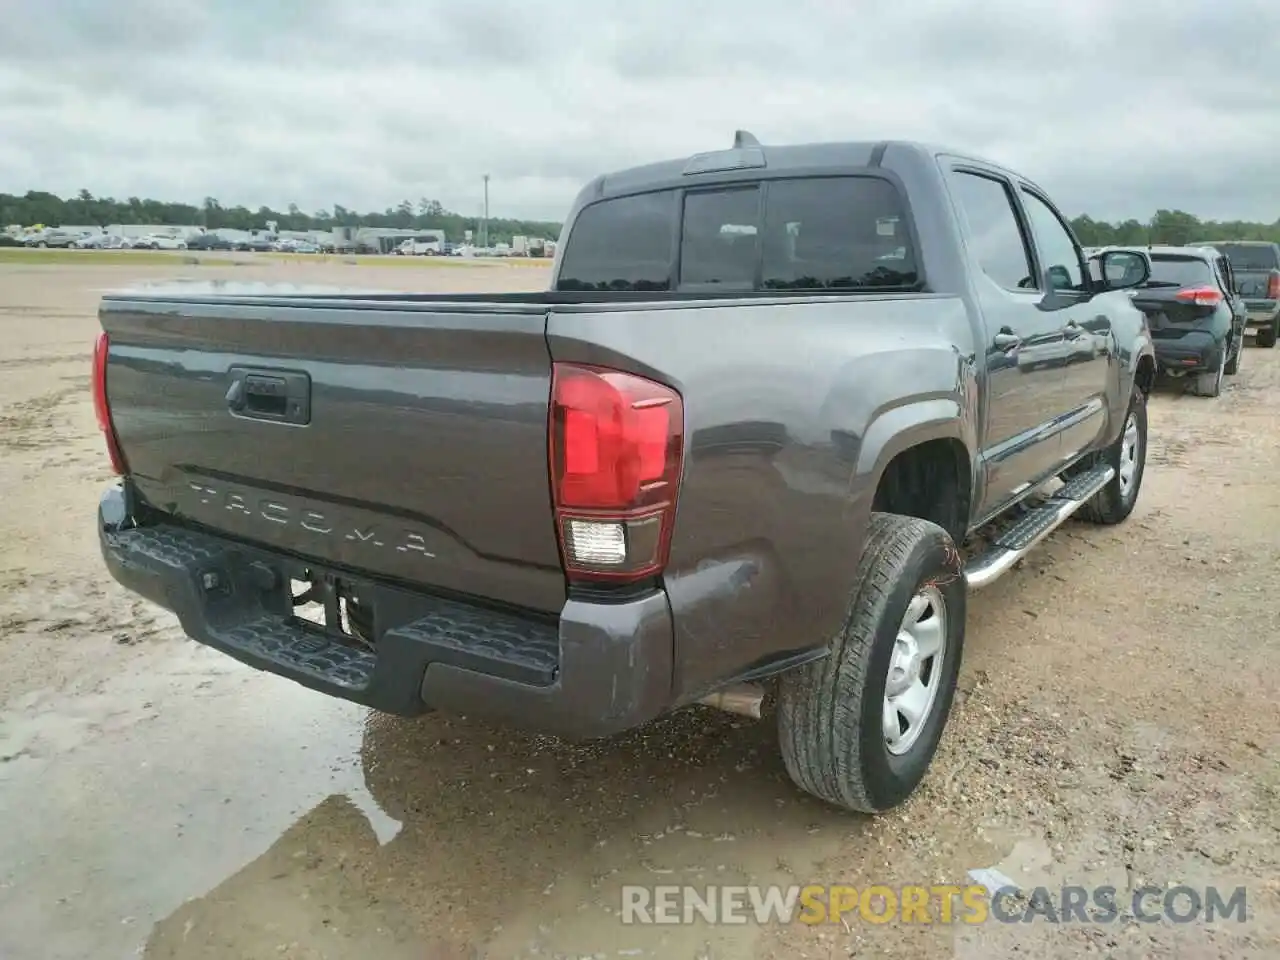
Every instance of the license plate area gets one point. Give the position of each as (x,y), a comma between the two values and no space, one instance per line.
(337,605)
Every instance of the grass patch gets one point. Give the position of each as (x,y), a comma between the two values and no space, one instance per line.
(23,255)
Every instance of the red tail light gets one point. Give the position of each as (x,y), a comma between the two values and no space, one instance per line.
(1273,287)
(1201,296)
(617,445)
(100,406)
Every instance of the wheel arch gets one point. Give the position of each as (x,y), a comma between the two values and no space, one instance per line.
(917,463)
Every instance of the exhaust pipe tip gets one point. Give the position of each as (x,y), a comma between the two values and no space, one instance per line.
(744,699)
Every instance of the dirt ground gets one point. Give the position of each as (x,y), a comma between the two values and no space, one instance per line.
(1119,723)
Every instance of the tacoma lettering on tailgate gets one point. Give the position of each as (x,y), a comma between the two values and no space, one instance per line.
(331,523)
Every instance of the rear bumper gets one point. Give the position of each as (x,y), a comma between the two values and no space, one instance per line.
(1193,353)
(601,669)
(1262,315)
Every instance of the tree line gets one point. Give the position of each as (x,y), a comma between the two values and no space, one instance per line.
(84,209)
(1173,227)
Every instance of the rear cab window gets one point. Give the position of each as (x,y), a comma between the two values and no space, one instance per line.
(1249,256)
(1169,270)
(808,234)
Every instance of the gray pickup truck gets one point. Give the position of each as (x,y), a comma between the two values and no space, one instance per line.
(1256,265)
(780,410)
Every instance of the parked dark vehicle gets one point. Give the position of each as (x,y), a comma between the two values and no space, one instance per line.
(262,243)
(1257,268)
(1196,323)
(208,241)
(736,448)
(52,237)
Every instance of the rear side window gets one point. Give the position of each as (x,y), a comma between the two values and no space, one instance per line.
(623,245)
(804,234)
(1174,271)
(1248,256)
(994,234)
(836,233)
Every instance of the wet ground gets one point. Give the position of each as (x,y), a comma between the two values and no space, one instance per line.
(1119,723)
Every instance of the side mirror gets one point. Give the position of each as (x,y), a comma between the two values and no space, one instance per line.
(1057,278)
(1120,269)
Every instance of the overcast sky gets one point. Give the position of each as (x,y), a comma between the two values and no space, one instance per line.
(1117,108)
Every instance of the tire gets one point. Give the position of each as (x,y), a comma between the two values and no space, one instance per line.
(1267,335)
(1237,352)
(1210,384)
(831,712)
(42,245)
(1114,502)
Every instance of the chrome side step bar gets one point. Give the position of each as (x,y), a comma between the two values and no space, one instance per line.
(1036,524)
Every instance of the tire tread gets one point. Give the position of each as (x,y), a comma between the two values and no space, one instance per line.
(819,715)
(1106,506)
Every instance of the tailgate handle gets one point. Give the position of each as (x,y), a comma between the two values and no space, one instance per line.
(277,395)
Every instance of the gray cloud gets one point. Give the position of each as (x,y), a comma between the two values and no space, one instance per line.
(1117,109)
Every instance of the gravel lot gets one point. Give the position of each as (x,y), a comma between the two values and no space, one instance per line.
(1119,723)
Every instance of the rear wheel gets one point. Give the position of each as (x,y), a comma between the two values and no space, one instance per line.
(1237,350)
(1267,335)
(860,727)
(1210,384)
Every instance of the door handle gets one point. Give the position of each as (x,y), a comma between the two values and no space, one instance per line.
(1007,340)
(282,396)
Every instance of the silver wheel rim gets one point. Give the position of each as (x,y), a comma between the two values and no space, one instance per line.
(915,670)
(1129,455)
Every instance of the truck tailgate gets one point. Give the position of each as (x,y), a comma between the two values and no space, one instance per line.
(1255,287)
(403,438)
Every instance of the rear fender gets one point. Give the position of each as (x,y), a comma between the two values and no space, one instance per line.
(907,426)
(1141,351)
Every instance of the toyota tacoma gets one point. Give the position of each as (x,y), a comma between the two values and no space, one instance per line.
(780,409)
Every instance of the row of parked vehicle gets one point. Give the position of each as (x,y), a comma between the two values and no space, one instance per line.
(262,243)
(66,239)
(1203,300)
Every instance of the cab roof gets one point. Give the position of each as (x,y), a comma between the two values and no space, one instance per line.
(748,154)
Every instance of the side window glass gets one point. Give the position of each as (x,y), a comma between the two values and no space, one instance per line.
(994,234)
(1058,254)
(835,233)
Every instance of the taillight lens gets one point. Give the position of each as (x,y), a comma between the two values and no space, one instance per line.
(617,444)
(1201,296)
(1273,287)
(100,406)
